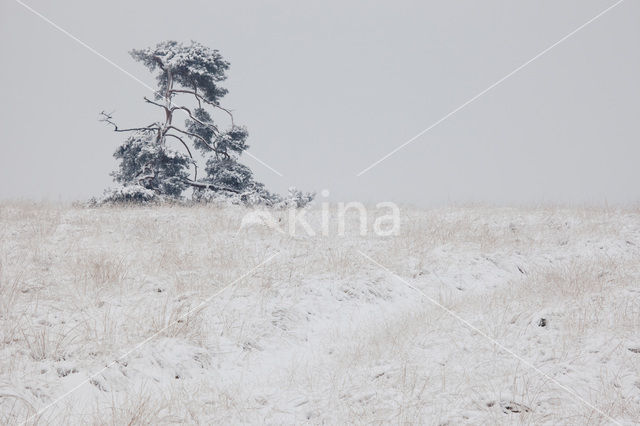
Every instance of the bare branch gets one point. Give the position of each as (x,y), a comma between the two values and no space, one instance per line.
(108,118)
(156,104)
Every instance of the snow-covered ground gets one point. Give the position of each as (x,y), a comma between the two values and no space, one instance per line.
(164,315)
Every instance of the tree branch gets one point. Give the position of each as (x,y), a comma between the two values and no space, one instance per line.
(108,118)
(204,141)
(195,165)
(156,104)
(199,97)
(210,126)
(195,89)
(210,186)
(146,177)
(146,169)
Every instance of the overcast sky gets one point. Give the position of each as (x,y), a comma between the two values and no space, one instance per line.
(327,88)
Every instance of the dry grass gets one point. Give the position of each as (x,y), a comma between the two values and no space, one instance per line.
(319,334)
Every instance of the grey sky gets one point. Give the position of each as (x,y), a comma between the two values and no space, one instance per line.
(327,88)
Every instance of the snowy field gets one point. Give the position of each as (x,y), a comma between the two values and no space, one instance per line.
(167,315)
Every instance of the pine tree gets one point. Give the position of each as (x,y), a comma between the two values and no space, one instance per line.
(156,161)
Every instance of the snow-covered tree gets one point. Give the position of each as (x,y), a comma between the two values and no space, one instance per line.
(160,160)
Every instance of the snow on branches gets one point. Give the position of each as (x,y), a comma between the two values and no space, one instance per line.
(160,161)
